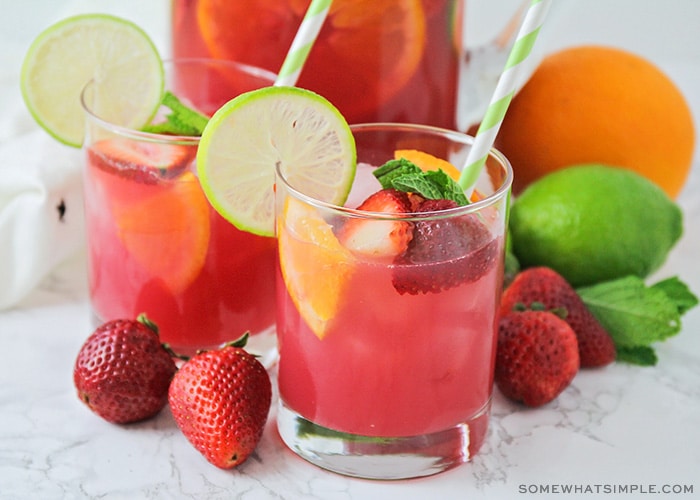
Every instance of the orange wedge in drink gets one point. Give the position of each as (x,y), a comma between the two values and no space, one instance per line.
(315,266)
(365,53)
(166,229)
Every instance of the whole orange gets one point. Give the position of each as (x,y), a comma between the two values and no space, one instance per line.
(595,104)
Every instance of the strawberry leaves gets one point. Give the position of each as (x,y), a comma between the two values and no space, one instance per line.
(642,355)
(637,315)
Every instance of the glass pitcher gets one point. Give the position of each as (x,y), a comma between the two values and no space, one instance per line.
(377,61)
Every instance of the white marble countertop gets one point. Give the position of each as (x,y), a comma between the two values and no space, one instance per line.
(618,432)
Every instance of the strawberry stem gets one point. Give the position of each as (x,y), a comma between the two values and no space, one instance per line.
(174,354)
(143,319)
(240,342)
(539,306)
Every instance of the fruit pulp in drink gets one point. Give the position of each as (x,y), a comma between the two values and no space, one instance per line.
(377,61)
(156,246)
(392,364)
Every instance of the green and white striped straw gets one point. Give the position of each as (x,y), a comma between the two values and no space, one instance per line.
(302,43)
(503,94)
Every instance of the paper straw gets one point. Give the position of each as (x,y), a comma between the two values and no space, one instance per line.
(303,41)
(503,94)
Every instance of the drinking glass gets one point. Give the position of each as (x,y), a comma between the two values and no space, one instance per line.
(386,364)
(154,243)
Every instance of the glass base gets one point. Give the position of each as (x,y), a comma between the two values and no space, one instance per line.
(378,457)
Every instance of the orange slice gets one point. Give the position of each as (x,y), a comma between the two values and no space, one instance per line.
(427,162)
(362,42)
(166,229)
(315,266)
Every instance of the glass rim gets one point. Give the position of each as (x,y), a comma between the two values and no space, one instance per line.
(476,206)
(140,135)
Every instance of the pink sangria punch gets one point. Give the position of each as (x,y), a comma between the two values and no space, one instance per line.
(387,307)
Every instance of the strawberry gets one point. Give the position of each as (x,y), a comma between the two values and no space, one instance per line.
(122,371)
(385,238)
(144,162)
(455,250)
(536,357)
(546,286)
(220,400)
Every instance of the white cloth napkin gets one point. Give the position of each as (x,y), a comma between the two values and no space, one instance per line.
(41,202)
(41,211)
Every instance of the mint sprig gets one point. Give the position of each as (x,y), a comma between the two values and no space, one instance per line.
(637,315)
(406,176)
(182,120)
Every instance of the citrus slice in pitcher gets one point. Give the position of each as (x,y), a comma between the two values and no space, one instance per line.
(250,135)
(366,51)
(114,53)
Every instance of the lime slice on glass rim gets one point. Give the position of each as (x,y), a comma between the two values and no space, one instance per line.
(250,135)
(114,53)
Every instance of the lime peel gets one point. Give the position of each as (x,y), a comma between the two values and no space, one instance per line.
(115,54)
(254,133)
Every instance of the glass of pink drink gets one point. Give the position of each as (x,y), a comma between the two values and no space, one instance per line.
(387,350)
(155,245)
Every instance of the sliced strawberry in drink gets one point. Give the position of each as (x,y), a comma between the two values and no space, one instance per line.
(379,238)
(444,253)
(141,161)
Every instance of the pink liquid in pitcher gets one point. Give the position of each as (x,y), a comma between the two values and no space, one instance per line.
(377,61)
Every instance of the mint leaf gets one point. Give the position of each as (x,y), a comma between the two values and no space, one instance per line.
(638,355)
(405,176)
(679,293)
(182,121)
(449,189)
(172,126)
(417,183)
(310,430)
(185,115)
(393,169)
(633,314)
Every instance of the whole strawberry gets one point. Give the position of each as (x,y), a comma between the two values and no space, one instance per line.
(546,286)
(536,357)
(220,400)
(122,371)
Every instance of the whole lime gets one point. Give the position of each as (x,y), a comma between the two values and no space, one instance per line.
(593,223)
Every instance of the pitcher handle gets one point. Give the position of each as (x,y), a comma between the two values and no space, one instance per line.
(482,64)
